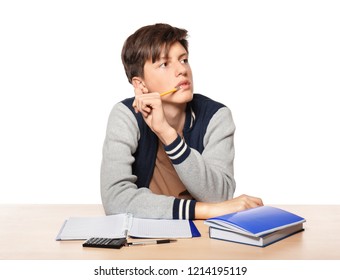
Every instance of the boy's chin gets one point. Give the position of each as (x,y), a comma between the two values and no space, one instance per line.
(180,98)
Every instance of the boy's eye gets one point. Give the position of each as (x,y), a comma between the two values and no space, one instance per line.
(185,61)
(164,64)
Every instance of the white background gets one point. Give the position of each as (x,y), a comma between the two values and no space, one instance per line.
(275,64)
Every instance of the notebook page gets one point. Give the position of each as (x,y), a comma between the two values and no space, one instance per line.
(153,228)
(112,226)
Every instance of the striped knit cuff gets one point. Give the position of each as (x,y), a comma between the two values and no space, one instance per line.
(183,209)
(178,150)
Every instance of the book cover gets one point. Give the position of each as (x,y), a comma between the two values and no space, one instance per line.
(256,221)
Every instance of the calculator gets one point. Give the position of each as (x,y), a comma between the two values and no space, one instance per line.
(100,242)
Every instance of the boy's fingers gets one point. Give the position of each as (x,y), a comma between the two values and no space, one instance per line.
(138,92)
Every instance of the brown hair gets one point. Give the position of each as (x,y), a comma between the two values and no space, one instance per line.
(148,42)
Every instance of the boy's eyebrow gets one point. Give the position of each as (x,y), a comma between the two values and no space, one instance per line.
(167,57)
(183,54)
(163,57)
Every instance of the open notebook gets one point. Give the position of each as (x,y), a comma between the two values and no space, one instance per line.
(124,225)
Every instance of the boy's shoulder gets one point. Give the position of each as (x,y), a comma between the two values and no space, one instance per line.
(128,101)
(202,102)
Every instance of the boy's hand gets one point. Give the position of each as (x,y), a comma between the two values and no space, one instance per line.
(205,210)
(150,106)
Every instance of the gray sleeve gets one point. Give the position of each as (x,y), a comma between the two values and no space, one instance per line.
(209,176)
(118,189)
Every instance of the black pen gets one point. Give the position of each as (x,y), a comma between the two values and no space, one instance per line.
(151,242)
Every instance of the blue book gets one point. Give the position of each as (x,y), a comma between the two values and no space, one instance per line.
(258,226)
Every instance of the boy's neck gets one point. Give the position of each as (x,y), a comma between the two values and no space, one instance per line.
(175,115)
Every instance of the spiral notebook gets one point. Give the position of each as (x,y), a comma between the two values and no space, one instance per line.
(125,225)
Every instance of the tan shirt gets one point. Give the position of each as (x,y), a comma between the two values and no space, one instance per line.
(165,179)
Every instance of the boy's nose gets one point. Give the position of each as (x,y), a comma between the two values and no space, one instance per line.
(180,69)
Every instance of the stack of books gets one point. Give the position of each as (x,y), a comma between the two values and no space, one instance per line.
(258,226)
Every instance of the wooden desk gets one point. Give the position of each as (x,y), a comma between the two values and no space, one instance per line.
(29,231)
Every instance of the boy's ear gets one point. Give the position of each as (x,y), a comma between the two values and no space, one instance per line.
(137,82)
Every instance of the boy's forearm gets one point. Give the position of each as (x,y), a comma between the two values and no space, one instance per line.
(209,176)
(202,211)
(167,135)
(205,210)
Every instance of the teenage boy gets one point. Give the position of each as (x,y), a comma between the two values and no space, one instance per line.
(168,156)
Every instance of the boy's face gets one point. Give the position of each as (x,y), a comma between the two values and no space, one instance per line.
(169,72)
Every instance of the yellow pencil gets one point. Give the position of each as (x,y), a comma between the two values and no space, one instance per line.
(169,91)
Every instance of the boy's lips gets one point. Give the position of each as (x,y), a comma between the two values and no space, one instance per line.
(183,84)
